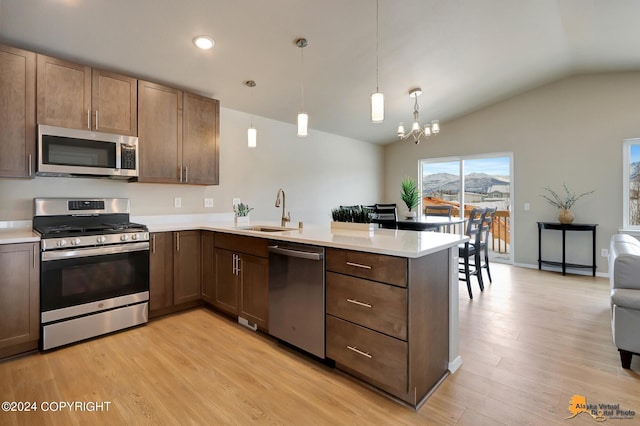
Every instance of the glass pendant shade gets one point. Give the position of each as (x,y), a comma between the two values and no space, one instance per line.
(377,107)
(427,131)
(303,124)
(415,127)
(435,126)
(401,131)
(252,136)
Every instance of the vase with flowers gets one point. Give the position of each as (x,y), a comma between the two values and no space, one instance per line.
(564,202)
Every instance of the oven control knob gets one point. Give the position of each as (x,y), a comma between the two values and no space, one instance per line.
(124,237)
(75,241)
(101,239)
(61,243)
(134,237)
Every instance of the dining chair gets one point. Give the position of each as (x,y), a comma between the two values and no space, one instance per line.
(439,210)
(471,250)
(386,215)
(484,243)
(443,210)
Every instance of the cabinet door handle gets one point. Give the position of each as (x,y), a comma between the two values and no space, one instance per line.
(180,174)
(358,351)
(35,256)
(89,119)
(96,119)
(177,241)
(30,164)
(153,243)
(186,174)
(358,265)
(355,302)
(239,263)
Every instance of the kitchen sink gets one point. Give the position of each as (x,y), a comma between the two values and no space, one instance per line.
(261,228)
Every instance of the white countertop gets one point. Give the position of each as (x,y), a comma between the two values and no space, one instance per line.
(383,241)
(17,235)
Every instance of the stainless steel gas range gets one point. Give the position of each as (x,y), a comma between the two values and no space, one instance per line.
(94,270)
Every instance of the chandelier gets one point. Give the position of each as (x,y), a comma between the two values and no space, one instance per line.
(418,131)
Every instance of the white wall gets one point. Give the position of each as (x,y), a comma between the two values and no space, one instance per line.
(317,173)
(569,131)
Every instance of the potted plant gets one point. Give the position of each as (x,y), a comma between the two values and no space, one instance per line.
(241,213)
(353,217)
(410,195)
(564,202)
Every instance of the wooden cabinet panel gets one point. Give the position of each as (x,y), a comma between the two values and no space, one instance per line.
(200,139)
(243,244)
(208,267)
(160,271)
(19,298)
(226,287)
(114,99)
(63,93)
(159,133)
(186,266)
(377,267)
(254,289)
(17,112)
(378,306)
(375,356)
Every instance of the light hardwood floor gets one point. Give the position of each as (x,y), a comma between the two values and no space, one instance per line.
(529,342)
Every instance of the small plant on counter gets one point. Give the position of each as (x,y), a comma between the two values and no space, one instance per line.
(356,214)
(242,210)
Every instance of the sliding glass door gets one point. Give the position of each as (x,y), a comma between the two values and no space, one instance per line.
(486,182)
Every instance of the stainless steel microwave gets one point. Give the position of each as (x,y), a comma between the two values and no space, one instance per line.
(72,152)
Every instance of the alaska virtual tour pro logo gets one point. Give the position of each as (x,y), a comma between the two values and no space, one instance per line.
(599,412)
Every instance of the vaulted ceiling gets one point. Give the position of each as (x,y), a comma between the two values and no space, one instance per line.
(464,54)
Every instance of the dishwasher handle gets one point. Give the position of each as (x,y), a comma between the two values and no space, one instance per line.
(295,253)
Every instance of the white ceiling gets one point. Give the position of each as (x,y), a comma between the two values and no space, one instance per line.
(463,53)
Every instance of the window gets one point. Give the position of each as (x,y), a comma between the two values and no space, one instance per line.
(631,184)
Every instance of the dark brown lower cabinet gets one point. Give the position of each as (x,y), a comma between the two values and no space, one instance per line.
(174,271)
(19,298)
(389,326)
(242,277)
(208,289)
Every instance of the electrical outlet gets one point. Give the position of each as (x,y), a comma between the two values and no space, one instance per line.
(604,253)
(236,201)
(177,202)
(527,207)
(208,202)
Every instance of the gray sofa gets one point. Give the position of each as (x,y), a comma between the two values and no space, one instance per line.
(624,275)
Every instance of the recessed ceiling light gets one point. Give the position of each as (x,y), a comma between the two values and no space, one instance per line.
(204,42)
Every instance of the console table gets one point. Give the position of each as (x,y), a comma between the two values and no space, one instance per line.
(564,228)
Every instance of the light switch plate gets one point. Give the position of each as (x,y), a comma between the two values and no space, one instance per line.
(177,202)
(236,201)
(208,202)
(527,207)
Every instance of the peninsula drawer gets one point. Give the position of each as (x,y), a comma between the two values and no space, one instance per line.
(379,306)
(372,355)
(242,244)
(377,267)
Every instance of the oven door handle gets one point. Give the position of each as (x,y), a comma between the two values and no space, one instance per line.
(94,251)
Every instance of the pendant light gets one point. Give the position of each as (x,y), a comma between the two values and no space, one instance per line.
(303,118)
(377,98)
(252,134)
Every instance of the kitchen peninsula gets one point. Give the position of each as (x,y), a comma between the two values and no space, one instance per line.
(415,339)
(406,341)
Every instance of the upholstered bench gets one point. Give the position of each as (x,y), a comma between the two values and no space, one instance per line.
(624,276)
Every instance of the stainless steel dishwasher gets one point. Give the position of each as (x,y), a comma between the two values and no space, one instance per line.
(296,295)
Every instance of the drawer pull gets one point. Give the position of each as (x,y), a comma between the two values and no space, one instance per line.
(358,265)
(358,351)
(355,302)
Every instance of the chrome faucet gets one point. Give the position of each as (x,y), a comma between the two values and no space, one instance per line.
(285,218)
